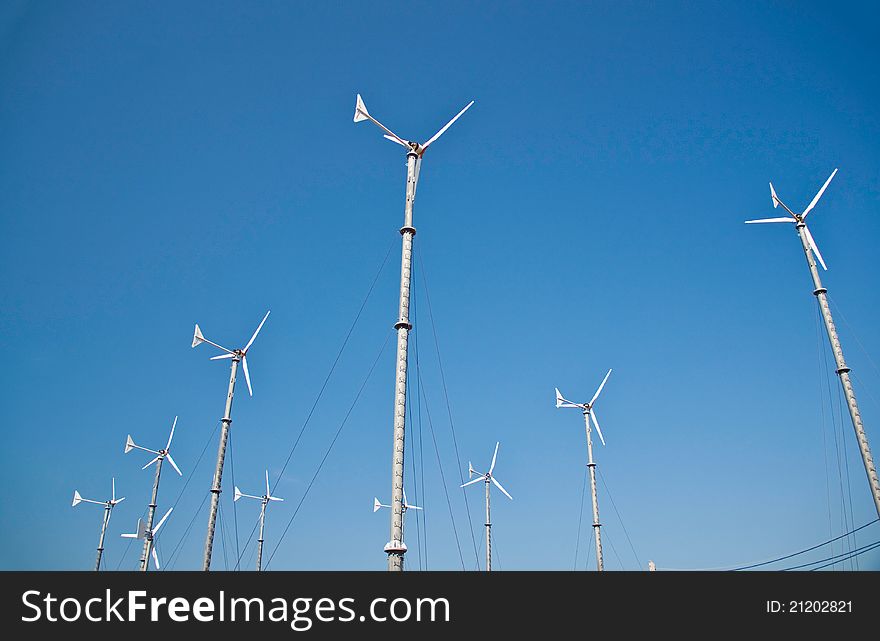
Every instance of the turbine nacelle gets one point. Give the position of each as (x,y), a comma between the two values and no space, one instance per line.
(77,498)
(143,533)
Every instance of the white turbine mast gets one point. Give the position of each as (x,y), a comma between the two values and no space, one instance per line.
(149,535)
(264,501)
(395,549)
(161,455)
(105,521)
(821,294)
(488,478)
(590,415)
(237,356)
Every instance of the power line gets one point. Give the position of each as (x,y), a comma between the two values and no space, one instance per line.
(330,448)
(449,410)
(631,547)
(335,362)
(855,553)
(846,555)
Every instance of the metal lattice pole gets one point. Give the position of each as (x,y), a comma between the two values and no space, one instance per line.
(592,466)
(106,520)
(221,456)
(148,538)
(396,548)
(842,369)
(260,540)
(488,531)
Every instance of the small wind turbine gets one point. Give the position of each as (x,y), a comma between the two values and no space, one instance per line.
(395,549)
(590,414)
(264,501)
(810,250)
(237,356)
(488,478)
(105,521)
(149,535)
(161,455)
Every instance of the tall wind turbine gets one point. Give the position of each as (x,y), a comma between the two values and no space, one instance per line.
(489,479)
(395,548)
(590,414)
(264,501)
(105,521)
(149,535)
(161,455)
(811,250)
(237,356)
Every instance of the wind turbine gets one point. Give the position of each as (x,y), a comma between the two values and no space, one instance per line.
(237,356)
(590,414)
(488,478)
(161,455)
(811,250)
(148,535)
(105,521)
(395,549)
(264,500)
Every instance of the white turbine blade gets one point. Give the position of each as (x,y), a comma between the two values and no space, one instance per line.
(494,457)
(275,498)
(448,125)
(150,463)
(771,220)
(155,556)
(376,505)
(774,197)
(598,429)
(167,514)
(247,376)
(173,464)
(118,501)
(416,177)
(501,488)
(222,356)
(114,489)
(236,494)
(818,195)
(397,140)
(198,339)
(77,499)
(476,480)
(814,247)
(599,391)
(259,327)
(413,507)
(268,493)
(171,436)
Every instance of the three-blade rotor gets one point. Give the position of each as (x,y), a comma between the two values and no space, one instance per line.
(160,454)
(406,504)
(798,219)
(77,498)
(143,533)
(237,354)
(587,408)
(487,477)
(266,497)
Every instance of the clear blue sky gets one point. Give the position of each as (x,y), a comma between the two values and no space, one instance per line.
(165,165)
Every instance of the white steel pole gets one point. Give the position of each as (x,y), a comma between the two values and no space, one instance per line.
(260,540)
(842,370)
(592,466)
(488,531)
(107,508)
(221,456)
(396,548)
(148,539)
